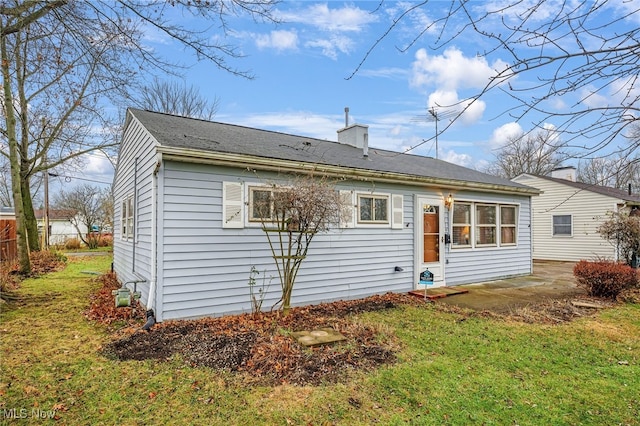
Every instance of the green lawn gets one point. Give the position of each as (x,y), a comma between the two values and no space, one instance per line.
(452,370)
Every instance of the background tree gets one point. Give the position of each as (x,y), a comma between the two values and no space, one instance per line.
(88,208)
(292,215)
(566,63)
(535,153)
(6,199)
(172,97)
(615,172)
(622,230)
(62,61)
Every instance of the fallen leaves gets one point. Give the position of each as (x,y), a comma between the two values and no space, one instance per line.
(260,345)
(103,309)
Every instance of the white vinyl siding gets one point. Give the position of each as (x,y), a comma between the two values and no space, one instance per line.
(587,210)
(132,257)
(205,268)
(469,264)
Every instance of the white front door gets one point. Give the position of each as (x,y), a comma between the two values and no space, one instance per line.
(430,239)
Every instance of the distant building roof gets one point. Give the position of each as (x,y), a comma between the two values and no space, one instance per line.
(56,214)
(180,133)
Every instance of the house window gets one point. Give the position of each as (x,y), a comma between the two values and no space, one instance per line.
(562,225)
(262,204)
(126,222)
(461,225)
(507,225)
(373,209)
(485,225)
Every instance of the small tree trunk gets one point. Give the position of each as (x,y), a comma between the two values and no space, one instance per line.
(14,161)
(31,223)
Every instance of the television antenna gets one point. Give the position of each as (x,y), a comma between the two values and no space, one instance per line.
(435,115)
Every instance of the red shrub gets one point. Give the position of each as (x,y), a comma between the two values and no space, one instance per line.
(105,241)
(605,279)
(72,244)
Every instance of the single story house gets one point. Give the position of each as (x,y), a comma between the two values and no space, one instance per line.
(567,214)
(185,235)
(61,228)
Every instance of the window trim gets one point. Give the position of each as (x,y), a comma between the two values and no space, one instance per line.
(127,224)
(463,225)
(553,226)
(250,204)
(514,225)
(473,226)
(480,226)
(373,222)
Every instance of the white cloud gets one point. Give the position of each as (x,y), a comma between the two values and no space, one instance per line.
(390,73)
(279,40)
(452,70)
(446,102)
(331,47)
(593,99)
(502,134)
(451,156)
(295,122)
(345,19)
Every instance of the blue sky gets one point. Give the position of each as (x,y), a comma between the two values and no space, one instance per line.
(304,78)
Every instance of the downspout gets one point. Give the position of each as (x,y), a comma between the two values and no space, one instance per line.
(135,215)
(151,300)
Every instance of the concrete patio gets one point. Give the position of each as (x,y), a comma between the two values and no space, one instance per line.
(550,280)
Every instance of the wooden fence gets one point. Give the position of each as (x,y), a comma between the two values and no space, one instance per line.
(8,241)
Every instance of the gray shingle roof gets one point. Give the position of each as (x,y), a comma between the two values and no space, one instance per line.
(187,133)
(598,189)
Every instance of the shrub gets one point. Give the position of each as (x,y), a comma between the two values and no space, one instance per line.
(604,278)
(72,244)
(105,241)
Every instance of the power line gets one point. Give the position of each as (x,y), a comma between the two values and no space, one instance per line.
(69,178)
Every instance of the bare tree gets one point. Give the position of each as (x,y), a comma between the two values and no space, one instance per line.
(292,215)
(61,61)
(615,172)
(535,153)
(6,199)
(582,55)
(86,206)
(178,99)
(622,231)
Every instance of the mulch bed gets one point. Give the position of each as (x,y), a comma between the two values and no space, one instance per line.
(256,343)
(259,344)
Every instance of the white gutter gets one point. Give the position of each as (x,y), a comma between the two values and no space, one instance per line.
(278,165)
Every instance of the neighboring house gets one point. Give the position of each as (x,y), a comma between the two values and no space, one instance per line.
(60,227)
(185,228)
(566,216)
